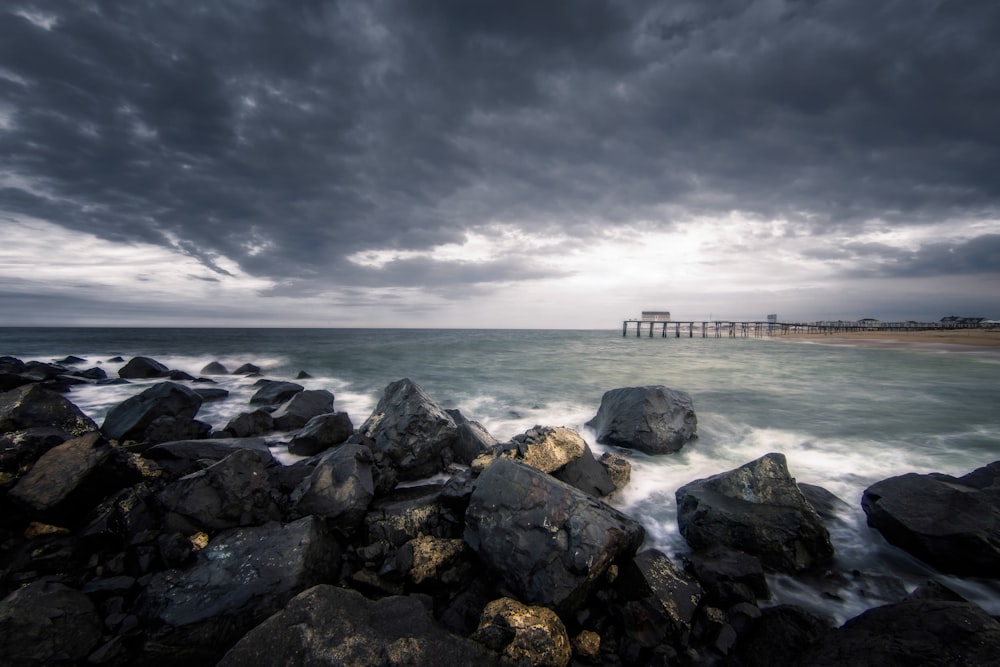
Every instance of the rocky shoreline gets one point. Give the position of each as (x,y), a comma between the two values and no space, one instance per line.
(417,538)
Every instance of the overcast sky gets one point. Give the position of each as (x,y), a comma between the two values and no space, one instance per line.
(497,164)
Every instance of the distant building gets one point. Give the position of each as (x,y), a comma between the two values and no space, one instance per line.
(773,318)
(656,316)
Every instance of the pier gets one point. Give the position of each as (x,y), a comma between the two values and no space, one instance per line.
(767,328)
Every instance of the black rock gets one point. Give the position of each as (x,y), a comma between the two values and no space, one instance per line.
(10,381)
(183,457)
(71,360)
(214,368)
(730,576)
(662,600)
(47,623)
(19,448)
(212,393)
(755,508)
(654,420)
(412,430)
(779,637)
(950,523)
(473,438)
(235,491)
(250,424)
(143,368)
(180,375)
(92,374)
(301,407)
(241,578)
(166,428)
(321,433)
(916,631)
(548,542)
(247,369)
(587,474)
(348,629)
(129,419)
(32,405)
(273,392)
(407,513)
(40,371)
(339,489)
(302,375)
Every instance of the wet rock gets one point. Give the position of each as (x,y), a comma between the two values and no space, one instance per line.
(20,448)
(730,576)
(320,433)
(250,424)
(302,375)
(755,508)
(654,419)
(47,623)
(473,438)
(661,600)
(950,523)
(300,408)
(233,492)
(587,474)
(214,368)
(125,518)
(339,489)
(167,428)
(545,448)
(143,368)
(31,406)
(241,578)
(129,419)
(526,635)
(345,628)
(779,637)
(183,457)
(411,430)
(64,478)
(212,393)
(273,392)
(433,556)
(619,469)
(548,542)
(247,369)
(406,514)
(587,647)
(917,631)
(70,360)
(829,507)
(92,374)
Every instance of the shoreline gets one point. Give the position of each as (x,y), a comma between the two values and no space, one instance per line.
(959,340)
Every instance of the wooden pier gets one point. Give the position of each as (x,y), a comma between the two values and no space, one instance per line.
(767,328)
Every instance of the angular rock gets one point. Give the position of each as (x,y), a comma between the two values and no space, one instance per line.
(19,448)
(212,393)
(247,369)
(587,474)
(916,631)
(730,576)
(407,513)
(250,424)
(167,428)
(755,508)
(47,623)
(32,405)
(662,600)
(411,430)
(779,637)
(654,419)
(214,368)
(59,479)
(320,433)
(433,556)
(548,542)
(143,368)
(950,523)
(546,448)
(183,457)
(233,492)
(241,578)
(129,419)
(345,628)
(92,374)
(526,635)
(619,469)
(300,408)
(273,392)
(473,438)
(125,517)
(339,489)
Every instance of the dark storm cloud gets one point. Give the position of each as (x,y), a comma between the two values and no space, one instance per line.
(285,136)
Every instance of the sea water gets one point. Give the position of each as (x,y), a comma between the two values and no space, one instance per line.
(844,416)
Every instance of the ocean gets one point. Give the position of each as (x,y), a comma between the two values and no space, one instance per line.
(844,416)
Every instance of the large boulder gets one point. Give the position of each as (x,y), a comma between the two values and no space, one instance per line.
(32,405)
(756,508)
(533,636)
(320,433)
(545,448)
(473,438)
(339,489)
(412,430)
(654,419)
(129,419)
(143,368)
(214,368)
(19,448)
(250,424)
(273,392)
(241,578)
(182,457)
(301,407)
(548,542)
(660,599)
(233,492)
(587,474)
(337,626)
(47,623)
(920,630)
(950,523)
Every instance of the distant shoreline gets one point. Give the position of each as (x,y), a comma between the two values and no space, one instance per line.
(955,339)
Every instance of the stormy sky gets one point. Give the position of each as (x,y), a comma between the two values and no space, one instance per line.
(497,164)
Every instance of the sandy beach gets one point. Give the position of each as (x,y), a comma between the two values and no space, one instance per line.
(952,339)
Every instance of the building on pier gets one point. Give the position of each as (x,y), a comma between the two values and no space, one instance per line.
(655,316)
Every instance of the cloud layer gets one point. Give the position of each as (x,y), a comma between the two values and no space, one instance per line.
(304,149)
